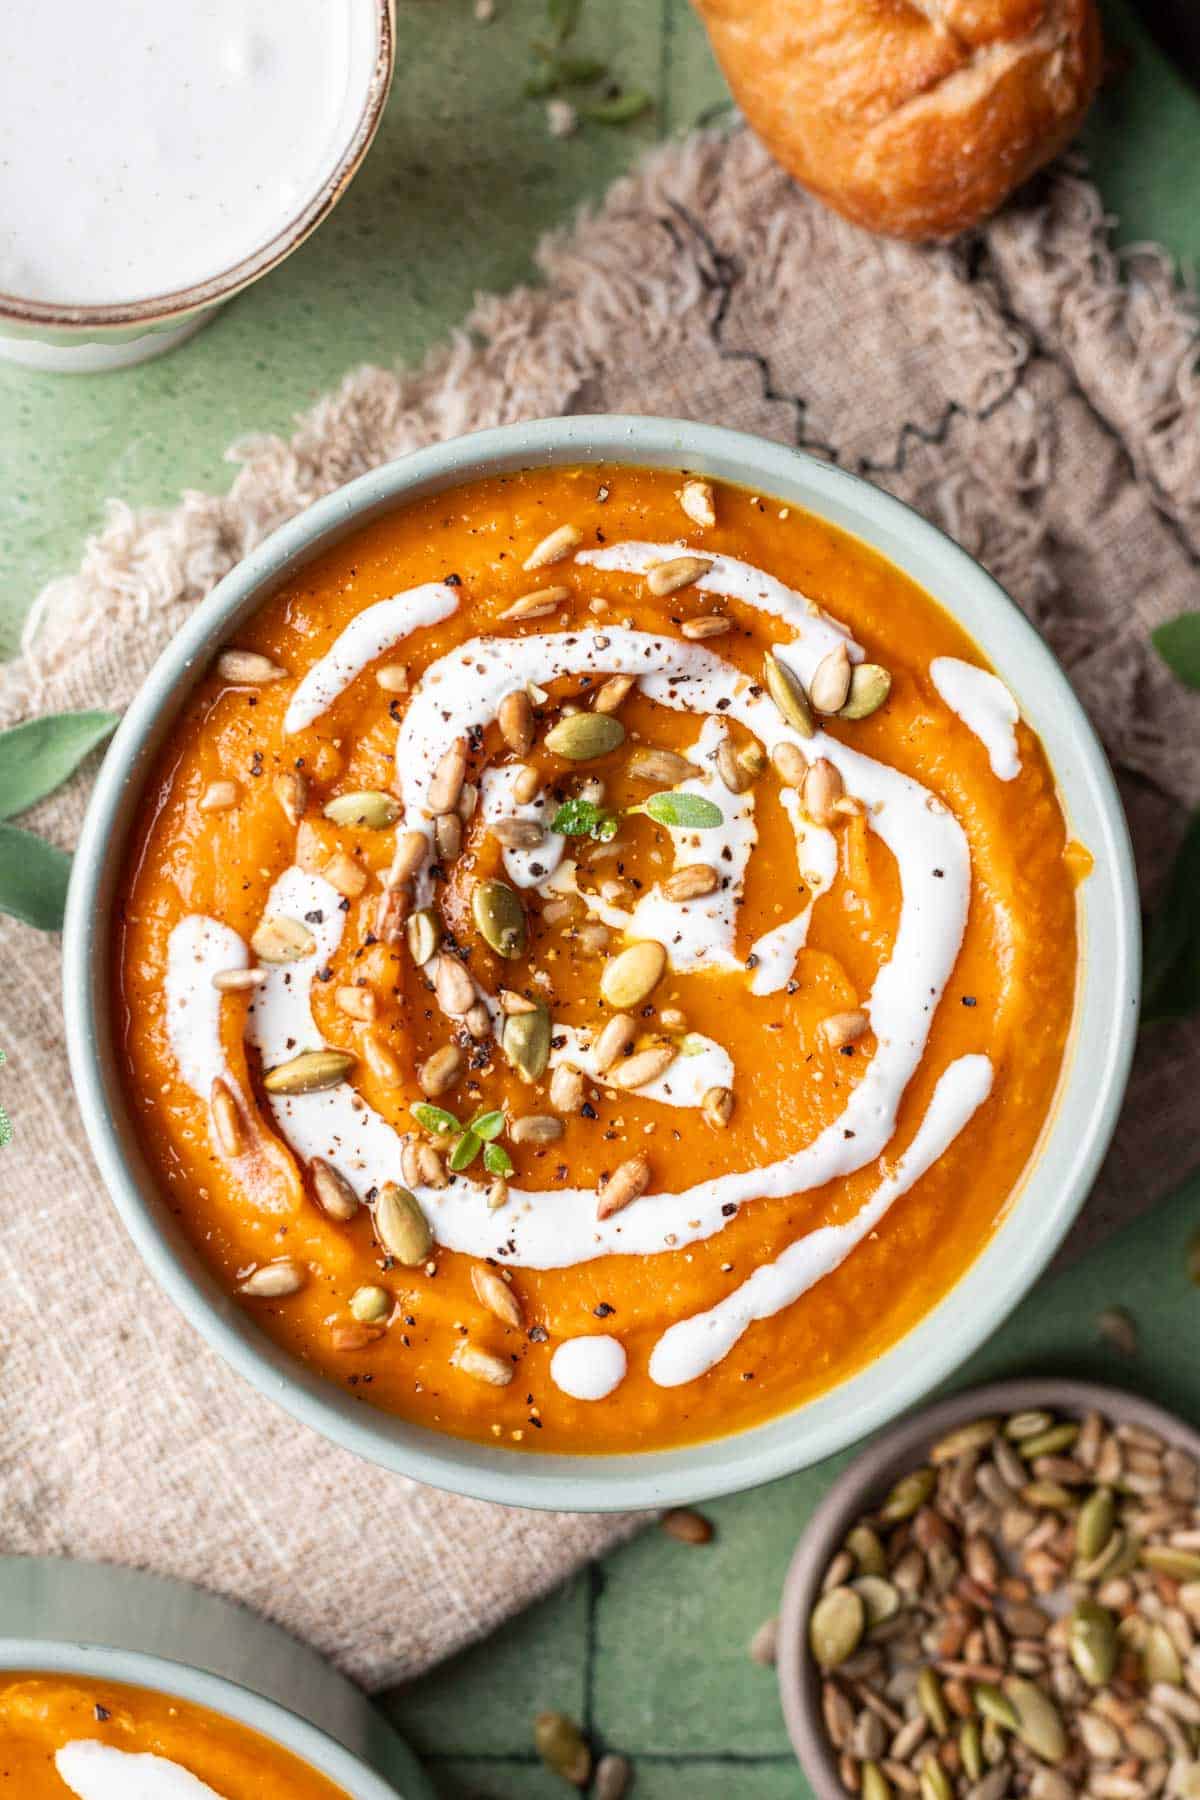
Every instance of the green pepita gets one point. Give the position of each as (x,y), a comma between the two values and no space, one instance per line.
(867,1551)
(370,1305)
(1038,1723)
(932,1701)
(401,1226)
(525,1040)
(975,1436)
(788,695)
(1027,1424)
(995,1705)
(875,1784)
(309,1072)
(1097,1516)
(1092,1641)
(1181,1565)
(970,1750)
(935,1783)
(870,686)
(1160,1659)
(1048,1493)
(423,934)
(1109,1560)
(559,1743)
(908,1496)
(836,1627)
(880,1599)
(371,808)
(581,736)
(1049,1443)
(500,917)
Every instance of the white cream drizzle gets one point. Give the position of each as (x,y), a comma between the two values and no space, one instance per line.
(985,706)
(96,1771)
(690,1348)
(524,868)
(198,949)
(376,629)
(588,1368)
(557,1227)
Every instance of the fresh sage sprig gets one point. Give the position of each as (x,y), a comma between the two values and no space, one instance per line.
(557,68)
(581,818)
(1171,971)
(479,1134)
(35,759)
(684,812)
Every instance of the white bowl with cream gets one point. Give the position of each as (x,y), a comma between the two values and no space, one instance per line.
(1091,1089)
(153,161)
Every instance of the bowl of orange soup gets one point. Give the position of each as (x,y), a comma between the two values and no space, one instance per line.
(601,962)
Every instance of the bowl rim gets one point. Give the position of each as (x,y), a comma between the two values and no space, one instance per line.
(17,310)
(200,1687)
(1090,1091)
(872,1473)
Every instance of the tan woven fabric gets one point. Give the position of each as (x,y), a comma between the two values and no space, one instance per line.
(1038,400)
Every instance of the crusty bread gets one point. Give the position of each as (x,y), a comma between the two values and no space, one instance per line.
(912,117)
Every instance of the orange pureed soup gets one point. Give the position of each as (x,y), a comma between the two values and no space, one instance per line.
(675,842)
(64,1735)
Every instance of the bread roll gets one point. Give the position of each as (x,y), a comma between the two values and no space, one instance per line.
(912,117)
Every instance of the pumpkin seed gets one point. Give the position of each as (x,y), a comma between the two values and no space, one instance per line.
(1027,1424)
(559,1743)
(869,688)
(696,499)
(970,1750)
(518,834)
(333,1192)
(678,572)
(514,716)
(975,1436)
(481,1365)
(401,1225)
(1048,1443)
(664,767)
(583,735)
(372,808)
(1093,1528)
(423,934)
(908,1496)
(525,1041)
(309,1073)
(633,975)
(1160,1659)
(788,695)
(932,1702)
(1048,1493)
(935,1783)
(554,546)
(282,940)
(1092,1641)
(829,688)
(836,1627)
(493,1292)
(499,918)
(867,1551)
(880,1599)
(1181,1565)
(248,668)
(1038,1723)
(371,1305)
(628,1182)
(273,1281)
(995,1705)
(875,1784)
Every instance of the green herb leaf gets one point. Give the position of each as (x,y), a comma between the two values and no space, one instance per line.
(580,818)
(6,1130)
(543,81)
(465,1151)
(563,16)
(433,1118)
(1178,643)
(37,757)
(686,812)
(496,1160)
(487,1125)
(1171,974)
(33,879)
(617,111)
(577,71)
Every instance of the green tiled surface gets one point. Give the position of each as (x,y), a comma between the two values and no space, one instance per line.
(463,179)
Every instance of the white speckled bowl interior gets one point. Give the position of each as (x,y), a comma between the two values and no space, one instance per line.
(1040,1213)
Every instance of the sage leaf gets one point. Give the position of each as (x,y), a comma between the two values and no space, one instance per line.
(577,71)
(563,16)
(465,1151)
(37,756)
(496,1160)
(487,1125)
(1171,972)
(435,1119)
(686,812)
(617,111)
(1178,643)
(33,879)
(580,818)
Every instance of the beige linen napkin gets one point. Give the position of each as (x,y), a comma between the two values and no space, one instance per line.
(1033,396)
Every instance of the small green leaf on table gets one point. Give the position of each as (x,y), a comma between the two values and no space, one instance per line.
(619,110)
(33,879)
(1178,643)
(37,756)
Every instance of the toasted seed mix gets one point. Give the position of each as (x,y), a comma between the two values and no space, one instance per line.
(688,1526)
(1021,1616)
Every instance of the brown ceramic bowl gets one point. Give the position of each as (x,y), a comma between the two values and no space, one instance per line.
(865,1483)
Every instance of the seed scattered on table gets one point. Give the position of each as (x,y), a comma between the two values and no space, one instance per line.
(687,1526)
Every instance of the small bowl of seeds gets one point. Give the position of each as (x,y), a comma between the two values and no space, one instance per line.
(1000,1597)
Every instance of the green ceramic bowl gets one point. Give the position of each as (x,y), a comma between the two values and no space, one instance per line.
(1087,1106)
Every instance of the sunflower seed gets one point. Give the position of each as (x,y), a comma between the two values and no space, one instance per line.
(617,1037)
(453,986)
(566,1089)
(716,1106)
(448,778)
(333,1192)
(518,834)
(829,688)
(248,668)
(696,499)
(219,796)
(538,604)
(536,1128)
(711,625)
(691,883)
(553,547)
(273,1281)
(423,934)
(237,981)
(281,940)
(677,572)
(559,1743)
(226,1119)
(494,1293)
(515,719)
(643,1067)
(820,790)
(840,1029)
(370,1305)
(481,1365)
(628,1182)
(613,693)
(439,1072)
